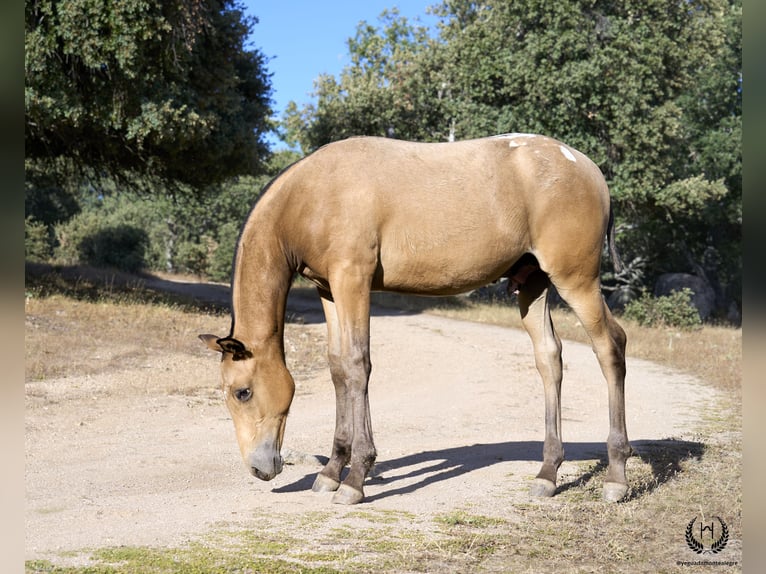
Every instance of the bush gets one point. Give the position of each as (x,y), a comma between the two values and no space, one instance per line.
(674,310)
(182,233)
(71,233)
(100,235)
(122,247)
(37,242)
(221,259)
(191,257)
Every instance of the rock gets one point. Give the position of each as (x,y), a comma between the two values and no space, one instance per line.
(298,458)
(619,298)
(703,297)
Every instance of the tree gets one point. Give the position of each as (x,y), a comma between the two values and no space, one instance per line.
(385,91)
(127,229)
(143,89)
(649,89)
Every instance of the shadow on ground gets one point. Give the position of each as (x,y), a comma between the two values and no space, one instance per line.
(665,458)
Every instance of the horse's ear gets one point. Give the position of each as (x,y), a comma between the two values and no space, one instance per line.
(233,346)
(227,345)
(212,342)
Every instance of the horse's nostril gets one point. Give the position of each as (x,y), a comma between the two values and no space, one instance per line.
(262,475)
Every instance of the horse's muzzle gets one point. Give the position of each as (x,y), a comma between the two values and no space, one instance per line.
(265,465)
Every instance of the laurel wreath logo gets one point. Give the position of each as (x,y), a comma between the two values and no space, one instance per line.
(692,542)
(720,544)
(716,547)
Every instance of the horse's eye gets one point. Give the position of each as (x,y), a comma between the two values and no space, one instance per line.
(243,395)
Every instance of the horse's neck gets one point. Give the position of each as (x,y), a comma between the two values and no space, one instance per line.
(259,290)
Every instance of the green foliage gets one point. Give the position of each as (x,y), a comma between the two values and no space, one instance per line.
(102,242)
(121,247)
(75,237)
(181,232)
(689,197)
(37,243)
(45,199)
(191,257)
(220,261)
(191,233)
(167,90)
(384,91)
(651,90)
(674,310)
(71,234)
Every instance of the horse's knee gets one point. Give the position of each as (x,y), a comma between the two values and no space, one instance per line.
(350,368)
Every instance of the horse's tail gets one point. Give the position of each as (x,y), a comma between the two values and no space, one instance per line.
(616,260)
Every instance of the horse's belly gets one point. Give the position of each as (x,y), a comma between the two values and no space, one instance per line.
(442,270)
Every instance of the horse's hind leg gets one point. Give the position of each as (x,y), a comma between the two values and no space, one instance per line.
(608,340)
(536,318)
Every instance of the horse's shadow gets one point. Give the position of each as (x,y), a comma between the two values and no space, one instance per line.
(665,458)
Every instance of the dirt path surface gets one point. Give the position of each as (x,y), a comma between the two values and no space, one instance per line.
(147,455)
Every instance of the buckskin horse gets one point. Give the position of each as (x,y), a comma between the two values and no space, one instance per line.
(375,214)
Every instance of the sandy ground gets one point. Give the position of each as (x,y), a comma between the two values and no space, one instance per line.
(147,456)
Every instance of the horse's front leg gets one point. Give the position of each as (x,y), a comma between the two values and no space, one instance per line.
(363,454)
(349,354)
(328,479)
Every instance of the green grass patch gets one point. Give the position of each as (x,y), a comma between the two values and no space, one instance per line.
(328,556)
(382,516)
(192,559)
(462,518)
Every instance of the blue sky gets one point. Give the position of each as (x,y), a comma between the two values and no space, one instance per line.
(307,38)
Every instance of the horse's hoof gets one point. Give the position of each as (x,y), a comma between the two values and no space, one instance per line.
(347,495)
(542,488)
(614,491)
(323,483)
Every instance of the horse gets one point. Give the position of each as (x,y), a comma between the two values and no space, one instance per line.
(371,214)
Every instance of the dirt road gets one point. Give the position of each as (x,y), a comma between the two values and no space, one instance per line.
(147,455)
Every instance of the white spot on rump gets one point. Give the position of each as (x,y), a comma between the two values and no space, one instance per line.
(567,154)
(514,137)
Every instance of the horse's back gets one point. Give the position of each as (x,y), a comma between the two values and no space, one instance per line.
(447,217)
(476,177)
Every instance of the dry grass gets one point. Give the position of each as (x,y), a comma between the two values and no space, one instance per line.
(66,336)
(82,321)
(713,353)
(74,325)
(85,326)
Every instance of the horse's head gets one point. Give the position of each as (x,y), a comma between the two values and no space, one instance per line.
(258,390)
